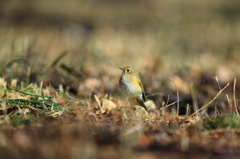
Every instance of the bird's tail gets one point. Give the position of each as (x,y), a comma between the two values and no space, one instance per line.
(141,103)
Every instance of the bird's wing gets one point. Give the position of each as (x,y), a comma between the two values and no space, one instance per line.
(143,92)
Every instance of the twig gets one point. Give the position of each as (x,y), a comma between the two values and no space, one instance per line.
(194,98)
(177,95)
(216,78)
(210,101)
(234,96)
(171,104)
(229,103)
(187,110)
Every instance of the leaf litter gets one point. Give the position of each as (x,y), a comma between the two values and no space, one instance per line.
(58,125)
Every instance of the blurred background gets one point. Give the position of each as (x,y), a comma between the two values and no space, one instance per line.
(85,42)
(192,47)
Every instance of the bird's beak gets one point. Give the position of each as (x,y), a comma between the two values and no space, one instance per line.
(120,68)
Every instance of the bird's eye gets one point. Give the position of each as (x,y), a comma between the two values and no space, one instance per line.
(128,70)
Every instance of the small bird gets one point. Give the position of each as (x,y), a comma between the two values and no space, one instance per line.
(131,85)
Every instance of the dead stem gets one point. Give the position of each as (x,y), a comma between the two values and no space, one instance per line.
(177,95)
(234,96)
(210,101)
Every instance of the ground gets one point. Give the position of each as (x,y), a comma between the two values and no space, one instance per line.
(59,90)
